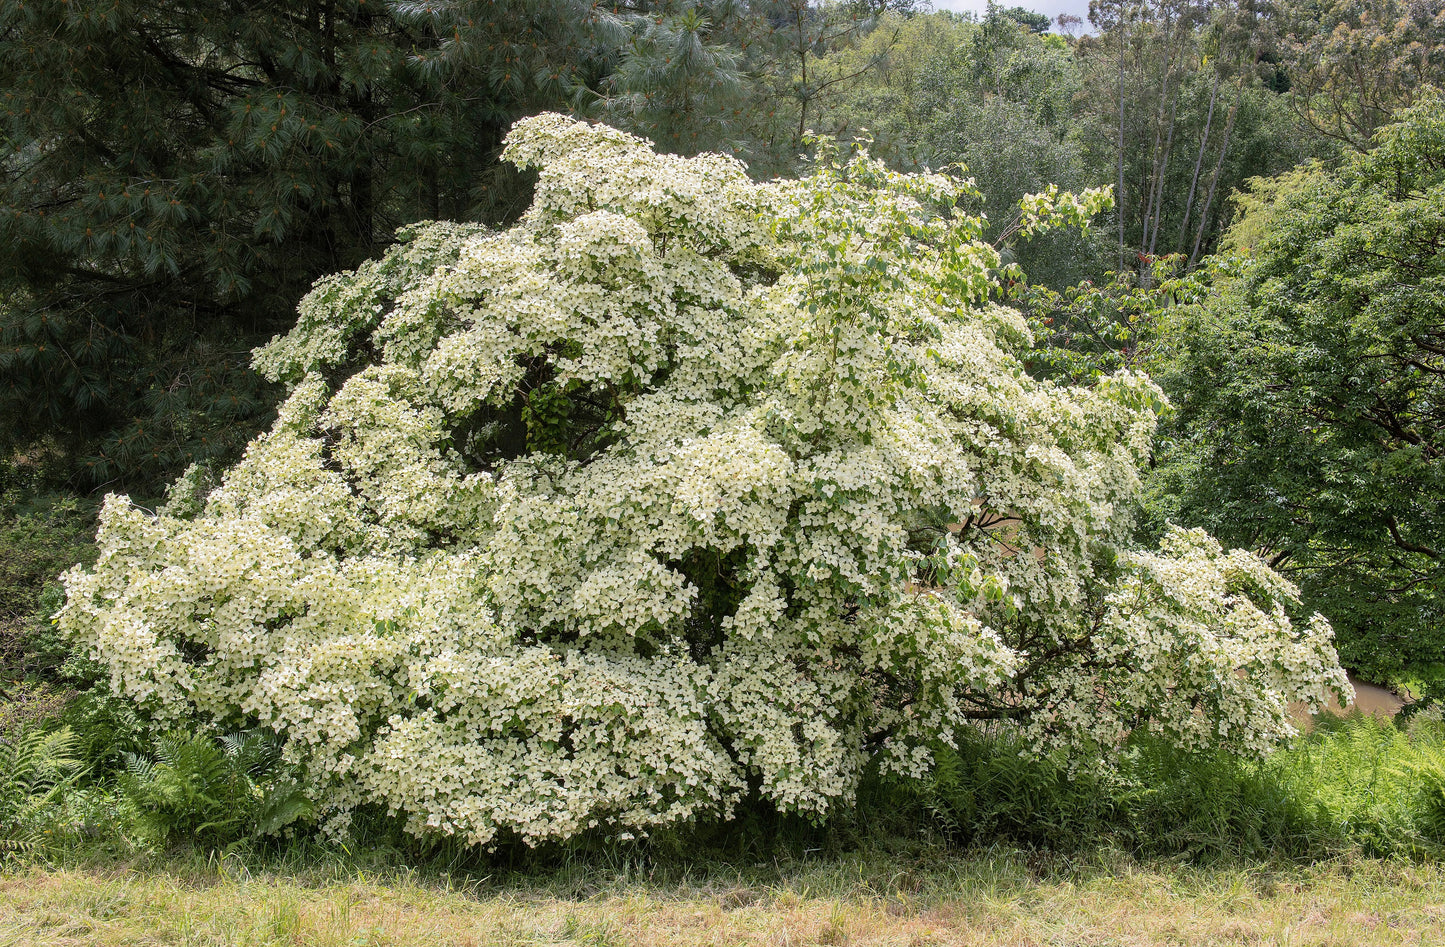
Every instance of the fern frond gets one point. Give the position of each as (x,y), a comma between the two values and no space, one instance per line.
(142,768)
(283,804)
(38,762)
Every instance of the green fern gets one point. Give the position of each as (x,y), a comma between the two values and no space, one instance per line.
(36,768)
(213,791)
(283,805)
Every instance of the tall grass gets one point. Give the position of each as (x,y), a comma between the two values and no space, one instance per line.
(1355,783)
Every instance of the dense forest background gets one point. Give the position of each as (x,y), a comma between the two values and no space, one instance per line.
(175,175)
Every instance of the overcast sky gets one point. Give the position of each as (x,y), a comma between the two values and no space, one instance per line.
(1079,8)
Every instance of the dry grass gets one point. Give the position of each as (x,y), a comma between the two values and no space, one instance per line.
(997,901)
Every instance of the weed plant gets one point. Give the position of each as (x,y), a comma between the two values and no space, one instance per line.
(40,537)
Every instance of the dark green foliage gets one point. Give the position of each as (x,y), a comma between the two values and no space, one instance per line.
(173,176)
(108,731)
(680,81)
(95,776)
(38,541)
(1213,805)
(1036,22)
(1355,783)
(1311,397)
(1094,329)
(992,791)
(41,535)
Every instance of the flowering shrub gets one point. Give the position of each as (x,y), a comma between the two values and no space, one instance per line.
(683,491)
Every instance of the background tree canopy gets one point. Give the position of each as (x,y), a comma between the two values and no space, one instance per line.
(1311,404)
(176,174)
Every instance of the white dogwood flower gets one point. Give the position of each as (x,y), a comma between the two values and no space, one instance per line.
(685,487)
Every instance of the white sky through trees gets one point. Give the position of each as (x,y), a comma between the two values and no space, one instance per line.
(1051,8)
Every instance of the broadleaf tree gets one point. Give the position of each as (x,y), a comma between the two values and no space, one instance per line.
(1310,396)
(684,493)
(1353,63)
(995,97)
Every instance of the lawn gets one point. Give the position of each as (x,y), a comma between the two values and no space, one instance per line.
(998,899)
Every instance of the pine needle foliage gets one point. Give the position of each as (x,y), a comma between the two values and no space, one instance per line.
(680,79)
(174,174)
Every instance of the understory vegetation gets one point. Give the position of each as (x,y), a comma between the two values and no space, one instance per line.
(81,788)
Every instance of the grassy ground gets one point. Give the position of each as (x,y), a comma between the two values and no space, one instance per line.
(998,900)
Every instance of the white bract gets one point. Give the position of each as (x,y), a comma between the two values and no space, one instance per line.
(683,491)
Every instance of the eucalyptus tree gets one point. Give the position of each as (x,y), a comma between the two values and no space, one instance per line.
(1353,63)
(1185,102)
(994,96)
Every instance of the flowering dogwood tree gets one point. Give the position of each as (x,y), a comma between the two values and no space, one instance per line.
(685,490)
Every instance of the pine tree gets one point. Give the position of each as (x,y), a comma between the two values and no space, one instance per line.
(175,173)
(680,79)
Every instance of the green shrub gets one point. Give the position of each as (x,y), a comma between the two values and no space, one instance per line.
(990,789)
(27,704)
(107,730)
(1209,805)
(1355,783)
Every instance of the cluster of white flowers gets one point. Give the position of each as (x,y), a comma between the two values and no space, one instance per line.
(683,488)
